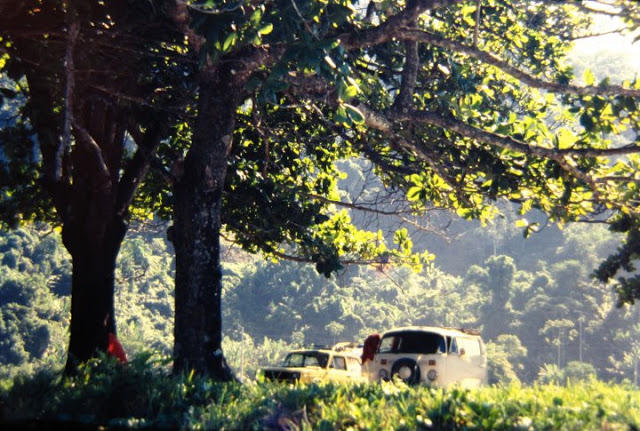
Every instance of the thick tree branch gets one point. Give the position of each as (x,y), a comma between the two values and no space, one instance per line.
(389,28)
(488,58)
(605,10)
(569,166)
(502,141)
(404,100)
(409,71)
(91,146)
(385,125)
(560,156)
(609,10)
(137,169)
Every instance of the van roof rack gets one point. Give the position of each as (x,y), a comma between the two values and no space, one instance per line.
(469,331)
(316,346)
(339,347)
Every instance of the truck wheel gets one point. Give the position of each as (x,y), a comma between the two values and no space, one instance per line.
(407,370)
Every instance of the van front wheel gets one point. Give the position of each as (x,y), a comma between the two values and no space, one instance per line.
(407,370)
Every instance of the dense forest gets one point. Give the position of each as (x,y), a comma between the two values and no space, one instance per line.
(512,142)
(540,312)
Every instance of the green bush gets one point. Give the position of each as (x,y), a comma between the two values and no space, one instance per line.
(144,394)
(574,372)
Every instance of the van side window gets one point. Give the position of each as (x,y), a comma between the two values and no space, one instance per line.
(339,363)
(454,346)
(420,342)
(387,344)
(471,347)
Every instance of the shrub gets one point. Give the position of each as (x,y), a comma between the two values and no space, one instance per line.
(144,394)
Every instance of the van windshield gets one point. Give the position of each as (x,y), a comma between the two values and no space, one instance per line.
(306,359)
(412,342)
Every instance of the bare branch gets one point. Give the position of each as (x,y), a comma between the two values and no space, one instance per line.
(440,232)
(359,207)
(167,176)
(488,58)
(137,169)
(85,138)
(301,258)
(305,22)
(220,11)
(604,33)
(477,26)
(295,258)
(389,28)
(65,143)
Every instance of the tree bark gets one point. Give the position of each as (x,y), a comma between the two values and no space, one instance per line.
(93,230)
(88,67)
(92,287)
(196,230)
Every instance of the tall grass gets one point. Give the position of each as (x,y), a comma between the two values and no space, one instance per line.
(143,394)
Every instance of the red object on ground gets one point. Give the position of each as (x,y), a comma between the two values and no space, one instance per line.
(115,349)
(370,347)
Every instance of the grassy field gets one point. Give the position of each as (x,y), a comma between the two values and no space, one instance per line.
(143,395)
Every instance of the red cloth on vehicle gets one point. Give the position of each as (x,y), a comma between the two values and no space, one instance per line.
(370,347)
(115,349)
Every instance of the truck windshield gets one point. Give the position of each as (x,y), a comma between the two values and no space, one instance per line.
(306,359)
(412,342)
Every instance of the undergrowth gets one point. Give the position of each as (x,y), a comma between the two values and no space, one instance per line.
(144,394)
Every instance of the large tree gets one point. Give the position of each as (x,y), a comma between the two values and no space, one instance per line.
(457,103)
(87,86)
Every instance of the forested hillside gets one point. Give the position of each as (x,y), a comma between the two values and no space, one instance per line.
(535,316)
(517,142)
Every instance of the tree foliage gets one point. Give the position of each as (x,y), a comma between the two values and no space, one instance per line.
(452,101)
(84,84)
(270,307)
(457,104)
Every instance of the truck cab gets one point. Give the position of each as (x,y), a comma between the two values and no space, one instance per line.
(339,364)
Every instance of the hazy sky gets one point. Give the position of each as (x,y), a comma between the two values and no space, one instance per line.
(612,43)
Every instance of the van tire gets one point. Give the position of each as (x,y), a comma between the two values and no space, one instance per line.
(400,368)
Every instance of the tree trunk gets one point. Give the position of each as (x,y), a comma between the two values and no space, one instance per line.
(196,232)
(92,288)
(88,66)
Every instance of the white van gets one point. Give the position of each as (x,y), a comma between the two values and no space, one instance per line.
(430,355)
